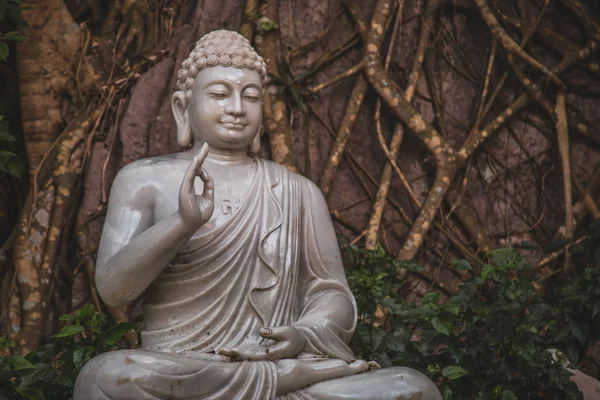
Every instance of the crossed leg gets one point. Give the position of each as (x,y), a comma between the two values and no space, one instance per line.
(294,374)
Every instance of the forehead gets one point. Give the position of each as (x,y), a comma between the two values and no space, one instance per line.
(237,76)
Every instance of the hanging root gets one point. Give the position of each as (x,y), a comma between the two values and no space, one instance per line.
(588,200)
(586,16)
(447,161)
(276,118)
(343,135)
(35,260)
(392,152)
(510,45)
(351,71)
(248,23)
(562,132)
(356,98)
(380,200)
(435,143)
(466,217)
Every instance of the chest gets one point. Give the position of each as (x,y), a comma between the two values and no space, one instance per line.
(232,184)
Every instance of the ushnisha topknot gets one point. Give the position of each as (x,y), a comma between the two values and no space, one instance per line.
(222,47)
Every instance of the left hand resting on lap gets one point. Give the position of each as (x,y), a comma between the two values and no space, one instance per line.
(290,342)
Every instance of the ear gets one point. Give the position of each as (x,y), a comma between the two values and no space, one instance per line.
(255,145)
(179,108)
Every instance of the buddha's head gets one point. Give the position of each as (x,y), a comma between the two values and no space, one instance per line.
(220,96)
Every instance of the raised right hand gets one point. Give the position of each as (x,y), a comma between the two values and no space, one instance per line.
(196,210)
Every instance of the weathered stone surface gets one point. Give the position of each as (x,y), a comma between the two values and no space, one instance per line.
(590,387)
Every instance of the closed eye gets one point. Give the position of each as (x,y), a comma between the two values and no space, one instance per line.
(218,95)
(251,97)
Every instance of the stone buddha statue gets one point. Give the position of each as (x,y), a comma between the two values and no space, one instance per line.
(243,289)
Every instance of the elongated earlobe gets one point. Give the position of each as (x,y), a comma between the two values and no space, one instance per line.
(179,109)
(184,136)
(255,145)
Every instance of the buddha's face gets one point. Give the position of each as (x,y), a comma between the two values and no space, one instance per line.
(226,107)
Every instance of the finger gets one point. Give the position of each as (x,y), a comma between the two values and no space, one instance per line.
(209,185)
(280,350)
(278,333)
(187,184)
(202,153)
(253,355)
(225,352)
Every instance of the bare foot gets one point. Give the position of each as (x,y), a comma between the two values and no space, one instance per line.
(296,374)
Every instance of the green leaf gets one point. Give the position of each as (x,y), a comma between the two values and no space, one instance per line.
(42,372)
(461,265)
(267,24)
(12,36)
(454,372)
(7,137)
(6,343)
(6,155)
(430,298)
(64,380)
(442,325)
(526,328)
(31,393)
(459,299)
(446,393)
(508,395)
(13,165)
(69,330)
(3,51)
(18,363)
(81,355)
(453,308)
(410,265)
(487,271)
(577,331)
(116,332)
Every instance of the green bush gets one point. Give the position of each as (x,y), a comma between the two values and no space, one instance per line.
(49,372)
(578,301)
(10,162)
(10,10)
(490,341)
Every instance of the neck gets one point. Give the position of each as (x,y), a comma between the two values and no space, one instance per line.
(223,155)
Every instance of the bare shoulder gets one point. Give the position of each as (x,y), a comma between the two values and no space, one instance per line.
(140,179)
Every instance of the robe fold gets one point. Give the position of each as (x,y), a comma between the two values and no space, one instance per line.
(275,262)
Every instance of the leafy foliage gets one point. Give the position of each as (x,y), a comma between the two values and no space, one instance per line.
(578,301)
(10,162)
(267,24)
(490,341)
(10,10)
(290,87)
(49,373)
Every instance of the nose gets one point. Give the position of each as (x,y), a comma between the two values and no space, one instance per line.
(235,105)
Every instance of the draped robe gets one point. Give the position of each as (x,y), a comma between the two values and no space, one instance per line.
(275,262)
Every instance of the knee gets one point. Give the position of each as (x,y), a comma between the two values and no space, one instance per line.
(104,370)
(398,383)
(415,381)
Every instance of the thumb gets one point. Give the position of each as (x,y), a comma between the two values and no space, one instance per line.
(278,333)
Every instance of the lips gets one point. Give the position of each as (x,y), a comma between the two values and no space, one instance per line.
(234,125)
